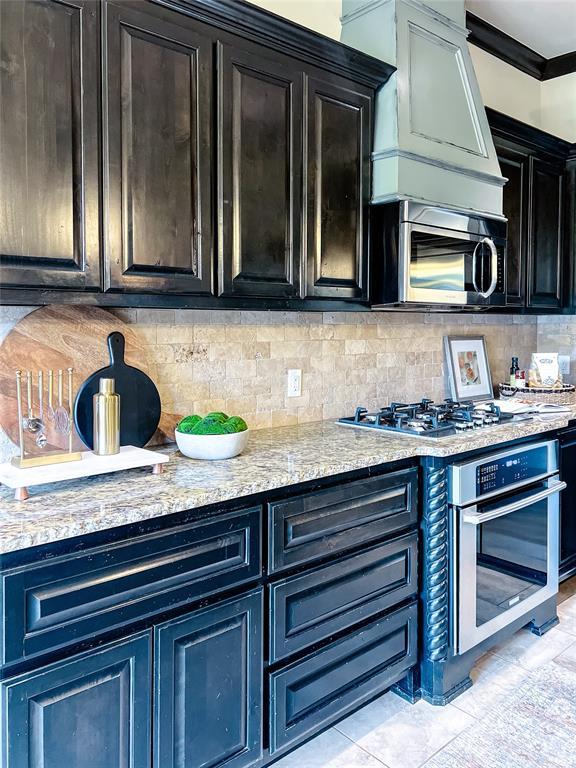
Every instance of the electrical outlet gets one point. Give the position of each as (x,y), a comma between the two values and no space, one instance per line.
(564,364)
(294,388)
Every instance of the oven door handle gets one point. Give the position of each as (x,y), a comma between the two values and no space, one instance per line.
(476,518)
(493,268)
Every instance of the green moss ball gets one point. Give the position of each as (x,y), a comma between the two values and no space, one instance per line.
(188,423)
(235,424)
(217,416)
(208,427)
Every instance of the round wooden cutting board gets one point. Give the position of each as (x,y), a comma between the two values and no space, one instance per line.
(65,337)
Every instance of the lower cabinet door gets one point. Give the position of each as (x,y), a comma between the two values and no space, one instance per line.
(208,673)
(92,711)
(333,681)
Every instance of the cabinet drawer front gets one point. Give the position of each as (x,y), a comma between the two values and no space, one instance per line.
(93,710)
(308,609)
(53,604)
(208,683)
(324,687)
(313,525)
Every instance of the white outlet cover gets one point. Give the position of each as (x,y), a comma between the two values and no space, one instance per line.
(294,388)
(564,363)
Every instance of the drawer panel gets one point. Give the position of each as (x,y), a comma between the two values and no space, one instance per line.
(309,608)
(313,525)
(325,686)
(72,597)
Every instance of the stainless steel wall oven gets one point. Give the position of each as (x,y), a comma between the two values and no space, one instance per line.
(505,524)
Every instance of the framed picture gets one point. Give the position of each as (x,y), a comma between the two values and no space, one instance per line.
(467,367)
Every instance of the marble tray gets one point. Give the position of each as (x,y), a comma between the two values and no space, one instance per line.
(91,464)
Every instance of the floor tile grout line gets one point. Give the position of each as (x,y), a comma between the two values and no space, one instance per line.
(470,725)
(366,751)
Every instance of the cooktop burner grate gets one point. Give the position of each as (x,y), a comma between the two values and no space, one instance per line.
(427,418)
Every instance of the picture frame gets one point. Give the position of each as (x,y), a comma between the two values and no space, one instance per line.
(467,368)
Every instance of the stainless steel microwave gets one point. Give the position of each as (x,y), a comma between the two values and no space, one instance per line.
(424,256)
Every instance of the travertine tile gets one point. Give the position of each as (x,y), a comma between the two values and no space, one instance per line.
(531,651)
(403,735)
(493,680)
(369,357)
(330,749)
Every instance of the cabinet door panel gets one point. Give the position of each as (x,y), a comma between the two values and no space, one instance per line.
(158,138)
(260,155)
(49,189)
(89,712)
(545,253)
(209,687)
(515,167)
(338,190)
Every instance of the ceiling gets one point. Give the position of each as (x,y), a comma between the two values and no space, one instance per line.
(546,26)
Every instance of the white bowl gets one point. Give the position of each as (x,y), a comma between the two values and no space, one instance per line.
(212,447)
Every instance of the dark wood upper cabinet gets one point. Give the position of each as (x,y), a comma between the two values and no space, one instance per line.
(158,91)
(49,136)
(514,165)
(338,172)
(260,173)
(534,200)
(545,250)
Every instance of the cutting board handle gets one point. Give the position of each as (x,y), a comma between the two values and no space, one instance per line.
(116,345)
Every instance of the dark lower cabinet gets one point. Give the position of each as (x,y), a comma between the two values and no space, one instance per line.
(208,677)
(89,712)
(568,503)
(157,181)
(338,172)
(260,160)
(323,687)
(49,139)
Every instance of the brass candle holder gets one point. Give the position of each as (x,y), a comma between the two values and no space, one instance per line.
(36,426)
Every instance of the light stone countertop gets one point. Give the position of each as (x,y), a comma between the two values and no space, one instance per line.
(274,458)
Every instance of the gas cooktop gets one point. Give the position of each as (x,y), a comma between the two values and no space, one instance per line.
(429,419)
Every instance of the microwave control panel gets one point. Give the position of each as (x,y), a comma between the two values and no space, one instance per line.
(498,474)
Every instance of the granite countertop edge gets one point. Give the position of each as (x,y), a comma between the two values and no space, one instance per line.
(275,458)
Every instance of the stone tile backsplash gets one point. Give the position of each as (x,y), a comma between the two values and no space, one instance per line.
(557,333)
(237,361)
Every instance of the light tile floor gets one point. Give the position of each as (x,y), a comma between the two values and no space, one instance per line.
(390,733)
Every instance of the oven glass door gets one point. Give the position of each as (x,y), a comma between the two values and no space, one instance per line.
(508,560)
(452,267)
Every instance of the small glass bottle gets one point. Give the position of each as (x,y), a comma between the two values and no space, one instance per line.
(513,369)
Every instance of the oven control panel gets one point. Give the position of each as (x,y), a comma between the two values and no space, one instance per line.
(501,472)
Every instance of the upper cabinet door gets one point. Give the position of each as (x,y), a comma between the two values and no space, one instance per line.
(545,251)
(157,189)
(338,172)
(260,174)
(514,165)
(49,193)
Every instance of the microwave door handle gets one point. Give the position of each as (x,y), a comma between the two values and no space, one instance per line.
(477,519)
(493,267)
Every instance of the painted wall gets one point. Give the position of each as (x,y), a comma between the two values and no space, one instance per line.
(506,89)
(548,105)
(320,15)
(558,106)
